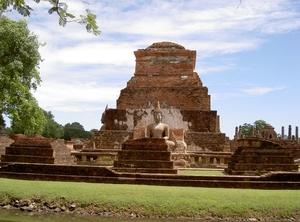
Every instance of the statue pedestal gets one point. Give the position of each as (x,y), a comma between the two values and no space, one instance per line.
(146,155)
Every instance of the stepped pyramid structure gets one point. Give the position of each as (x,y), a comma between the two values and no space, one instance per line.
(36,149)
(164,72)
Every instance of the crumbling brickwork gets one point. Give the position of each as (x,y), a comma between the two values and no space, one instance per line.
(109,139)
(37,149)
(257,156)
(5,141)
(197,141)
(201,121)
(165,72)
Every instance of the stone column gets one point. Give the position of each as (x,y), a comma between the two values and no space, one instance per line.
(236,133)
(290,132)
(282,132)
(240,132)
(296,134)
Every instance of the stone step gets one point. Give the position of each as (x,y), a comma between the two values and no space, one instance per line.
(27,159)
(144,164)
(104,175)
(269,151)
(262,159)
(29,151)
(144,155)
(262,167)
(57,169)
(145,170)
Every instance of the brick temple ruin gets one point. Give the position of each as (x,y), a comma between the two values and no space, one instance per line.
(259,154)
(37,150)
(164,72)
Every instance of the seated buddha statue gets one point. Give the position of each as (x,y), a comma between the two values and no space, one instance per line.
(159,129)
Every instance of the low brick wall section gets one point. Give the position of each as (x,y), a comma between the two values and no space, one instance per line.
(109,139)
(206,141)
(92,174)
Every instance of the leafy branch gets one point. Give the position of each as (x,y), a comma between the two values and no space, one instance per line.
(58,7)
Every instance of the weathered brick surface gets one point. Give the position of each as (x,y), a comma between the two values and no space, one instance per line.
(5,141)
(116,119)
(256,156)
(165,72)
(189,98)
(37,149)
(164,58)
(96,174)
(201,121)
(200,141)
(109,139)
(144,155)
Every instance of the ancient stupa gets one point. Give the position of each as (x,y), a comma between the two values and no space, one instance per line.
(164,72)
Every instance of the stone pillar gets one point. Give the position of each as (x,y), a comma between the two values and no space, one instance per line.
(236,133)
(240,132)
(200,160)
(222,160)
(296,134)
(290,132)
(215,161)
(282,132)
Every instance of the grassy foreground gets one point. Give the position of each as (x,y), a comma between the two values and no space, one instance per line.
(160,200)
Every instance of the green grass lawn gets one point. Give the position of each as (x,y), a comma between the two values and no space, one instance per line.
(160,200)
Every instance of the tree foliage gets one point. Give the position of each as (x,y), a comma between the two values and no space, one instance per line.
(258,124)
(58,7)
(75,130)
(19,64)
(52,129)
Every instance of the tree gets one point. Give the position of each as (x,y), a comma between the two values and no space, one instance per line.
(58,7)
(75,130)
(258,124)
(19,64)
(52,129)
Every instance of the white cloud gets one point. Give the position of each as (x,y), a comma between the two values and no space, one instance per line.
(259,91)
(75,96)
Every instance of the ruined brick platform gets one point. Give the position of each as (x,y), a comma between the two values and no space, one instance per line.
(96,174)
(37,149)
(257,156)
(146,155)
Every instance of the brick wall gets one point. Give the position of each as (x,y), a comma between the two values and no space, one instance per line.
(201,121)
(109,139)
(164,60)
(61,153)
(206,142)
(165,72)
(5,141)
(189,80)
(190,98)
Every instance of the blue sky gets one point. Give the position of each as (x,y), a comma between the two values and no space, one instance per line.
(247,56)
